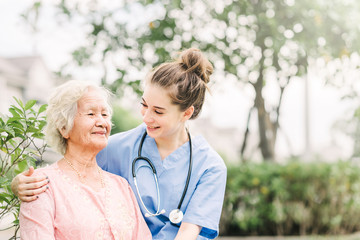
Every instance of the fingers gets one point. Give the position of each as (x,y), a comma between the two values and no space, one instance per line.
(28,187)
(32,185)
(31,191)
(27,180)
(28,198)
(29,172)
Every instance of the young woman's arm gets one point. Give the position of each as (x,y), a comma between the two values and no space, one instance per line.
(188,231)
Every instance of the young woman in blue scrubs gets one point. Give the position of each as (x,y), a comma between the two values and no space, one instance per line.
(174,93)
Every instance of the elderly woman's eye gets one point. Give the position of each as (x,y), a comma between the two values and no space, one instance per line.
(105,115)
(90,114)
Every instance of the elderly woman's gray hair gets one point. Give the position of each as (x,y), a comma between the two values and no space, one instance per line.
(62,109)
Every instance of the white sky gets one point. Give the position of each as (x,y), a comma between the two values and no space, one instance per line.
(227,106)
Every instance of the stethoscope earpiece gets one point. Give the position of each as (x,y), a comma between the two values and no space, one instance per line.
(176,215)
(155,214)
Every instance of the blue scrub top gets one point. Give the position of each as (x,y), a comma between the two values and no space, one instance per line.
(203,201)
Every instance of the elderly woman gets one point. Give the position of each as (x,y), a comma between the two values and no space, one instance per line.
(82,201)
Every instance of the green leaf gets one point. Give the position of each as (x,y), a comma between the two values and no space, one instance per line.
(17,110)
(19,102)
(3,180)
(38,135)
(22,166)
(12,142)
(42,108)
(14,113)
(4,199)
(42,124)
(32,128)
(30,104)
(14,118)
(4,150)
(10,130)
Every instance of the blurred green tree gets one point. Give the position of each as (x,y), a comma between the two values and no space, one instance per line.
(253,41)
(123,120)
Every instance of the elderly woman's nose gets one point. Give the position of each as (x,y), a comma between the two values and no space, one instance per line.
(100,120)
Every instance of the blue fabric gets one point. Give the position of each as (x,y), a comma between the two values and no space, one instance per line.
(203,201)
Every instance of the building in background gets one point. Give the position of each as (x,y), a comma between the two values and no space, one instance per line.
(24,78)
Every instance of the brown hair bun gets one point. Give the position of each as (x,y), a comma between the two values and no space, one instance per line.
(194,61)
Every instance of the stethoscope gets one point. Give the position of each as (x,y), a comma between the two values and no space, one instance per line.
(175,215)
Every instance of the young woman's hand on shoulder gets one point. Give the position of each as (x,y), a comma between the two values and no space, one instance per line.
(28,187)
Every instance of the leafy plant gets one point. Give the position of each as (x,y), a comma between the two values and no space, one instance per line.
(292,199)
(21,146)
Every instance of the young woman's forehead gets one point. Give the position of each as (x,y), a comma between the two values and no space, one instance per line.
(156,95)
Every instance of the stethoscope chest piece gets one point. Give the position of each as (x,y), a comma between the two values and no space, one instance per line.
(176,216)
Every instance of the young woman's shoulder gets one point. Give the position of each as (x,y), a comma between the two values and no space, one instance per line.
(204,151)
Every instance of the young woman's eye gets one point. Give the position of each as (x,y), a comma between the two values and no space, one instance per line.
(158,112)
(143,104)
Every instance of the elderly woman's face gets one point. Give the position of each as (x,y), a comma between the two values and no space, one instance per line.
(92,123)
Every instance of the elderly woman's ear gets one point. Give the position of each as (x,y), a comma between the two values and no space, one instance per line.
(64,133)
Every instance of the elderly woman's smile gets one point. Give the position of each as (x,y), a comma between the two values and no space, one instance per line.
(92,124)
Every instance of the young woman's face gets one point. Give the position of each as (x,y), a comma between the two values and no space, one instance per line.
(92,123)
(162,118)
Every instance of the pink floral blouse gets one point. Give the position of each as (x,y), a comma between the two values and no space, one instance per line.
(72,210)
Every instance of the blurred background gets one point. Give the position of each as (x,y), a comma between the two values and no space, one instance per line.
(284,105)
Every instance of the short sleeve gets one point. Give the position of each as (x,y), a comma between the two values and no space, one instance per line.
(205,205)
(37,218)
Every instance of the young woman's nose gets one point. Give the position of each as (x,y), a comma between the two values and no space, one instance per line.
(147,116)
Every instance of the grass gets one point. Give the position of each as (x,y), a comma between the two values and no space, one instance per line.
(355,236)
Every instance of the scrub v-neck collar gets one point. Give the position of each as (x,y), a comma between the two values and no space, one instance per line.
(182,153)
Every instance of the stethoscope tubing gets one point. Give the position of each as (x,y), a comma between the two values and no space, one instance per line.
(188,175)
(151,165)
(158,212)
